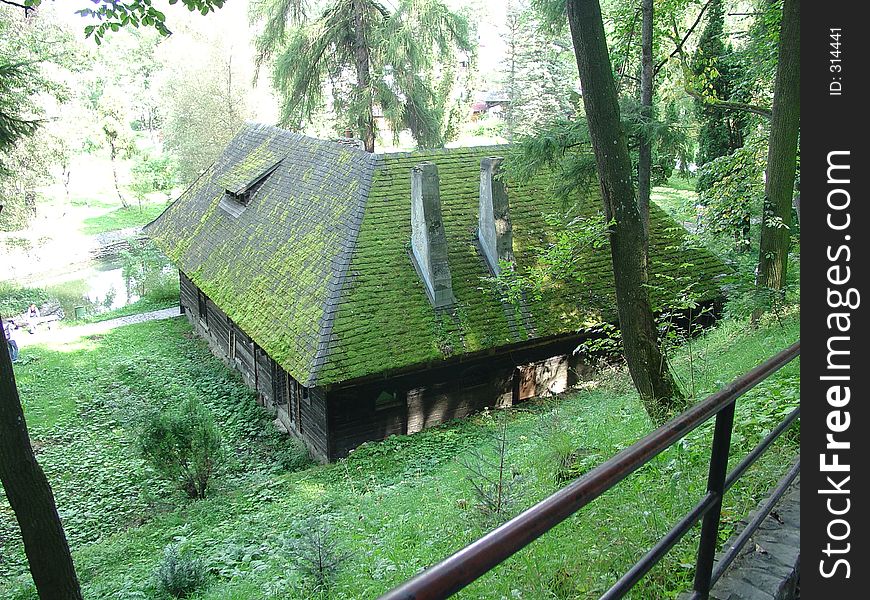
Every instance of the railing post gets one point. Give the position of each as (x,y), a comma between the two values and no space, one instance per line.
(716,485)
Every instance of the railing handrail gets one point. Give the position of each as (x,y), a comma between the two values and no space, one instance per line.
(460,569)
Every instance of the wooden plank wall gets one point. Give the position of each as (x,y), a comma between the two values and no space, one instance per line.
(187,297)
(438,395)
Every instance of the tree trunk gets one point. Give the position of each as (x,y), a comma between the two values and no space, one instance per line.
(648,367)
(366,121)
(781,156)
(644,159)
(113,153)
(31,498)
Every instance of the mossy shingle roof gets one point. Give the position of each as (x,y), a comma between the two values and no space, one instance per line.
(316,268)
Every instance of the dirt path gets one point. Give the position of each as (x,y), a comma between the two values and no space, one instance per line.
(60,335)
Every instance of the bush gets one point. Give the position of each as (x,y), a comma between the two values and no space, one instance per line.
(292,455)
(184,446)
(14,300)
(178,573)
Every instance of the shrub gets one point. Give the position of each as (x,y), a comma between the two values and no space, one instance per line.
(184,446)
(316,553)
(179,574)
(14,300)
(292,455)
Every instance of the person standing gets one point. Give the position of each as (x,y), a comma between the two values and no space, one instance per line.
(9,329)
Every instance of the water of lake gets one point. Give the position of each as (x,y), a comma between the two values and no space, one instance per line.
(98,287)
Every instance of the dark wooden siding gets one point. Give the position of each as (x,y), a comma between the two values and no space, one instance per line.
(365,412)
(302,412)
(187,297)
(313,418)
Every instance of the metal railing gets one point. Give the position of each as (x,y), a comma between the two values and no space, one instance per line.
(476,559)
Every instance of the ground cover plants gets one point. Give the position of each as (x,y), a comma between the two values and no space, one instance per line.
(123,218)
(389,509)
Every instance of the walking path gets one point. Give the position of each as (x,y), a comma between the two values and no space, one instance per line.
(60,335)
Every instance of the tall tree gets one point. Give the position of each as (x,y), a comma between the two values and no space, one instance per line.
(781,154)
(714,69)
(645,147)
(31,498)
(538,73)
(648,366)
(358,55)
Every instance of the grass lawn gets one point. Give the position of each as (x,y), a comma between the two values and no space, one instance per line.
(678,198)
(395,506)
(143,305)
(122,218)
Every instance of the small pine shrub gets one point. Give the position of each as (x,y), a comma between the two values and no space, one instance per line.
(316,555)
(184,446)
(179,574)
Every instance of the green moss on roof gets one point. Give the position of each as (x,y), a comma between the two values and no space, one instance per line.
(317,268)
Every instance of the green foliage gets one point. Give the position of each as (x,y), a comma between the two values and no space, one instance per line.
(184,446)
(315,554)
(14,79)
(179,574)
(152,174)
(144,268)
(14,299)
(538,73)
(715,69)
(37,58)
(495,483)
(409,61)
(112,15)
(733,191)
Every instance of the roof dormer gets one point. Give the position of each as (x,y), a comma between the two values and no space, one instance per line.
(428,241)
(494,229)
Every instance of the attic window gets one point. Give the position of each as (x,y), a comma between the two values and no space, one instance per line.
(240,188)
(243,195)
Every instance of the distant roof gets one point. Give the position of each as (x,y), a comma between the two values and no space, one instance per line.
(316,268)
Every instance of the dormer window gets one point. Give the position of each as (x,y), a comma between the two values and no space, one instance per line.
(242,183)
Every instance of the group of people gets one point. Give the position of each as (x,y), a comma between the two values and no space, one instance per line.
(10,326)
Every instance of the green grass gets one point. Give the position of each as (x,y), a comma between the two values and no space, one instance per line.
(143,305)
(395,506)
(677,197)
(122,218)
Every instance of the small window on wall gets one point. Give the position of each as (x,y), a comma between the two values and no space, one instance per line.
(387,399)
(306,396)
(202,306)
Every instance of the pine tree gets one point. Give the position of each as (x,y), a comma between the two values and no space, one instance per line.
(539,76)
(357,55)
(714,70)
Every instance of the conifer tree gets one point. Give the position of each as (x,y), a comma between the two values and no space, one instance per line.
(714,68)
(357,56)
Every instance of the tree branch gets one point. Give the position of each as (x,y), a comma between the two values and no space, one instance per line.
(726,105)
(679,45)
(27,9)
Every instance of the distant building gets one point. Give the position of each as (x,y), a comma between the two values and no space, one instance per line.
(353,291)
(494,102)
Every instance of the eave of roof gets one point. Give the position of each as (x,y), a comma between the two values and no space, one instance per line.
(316,269)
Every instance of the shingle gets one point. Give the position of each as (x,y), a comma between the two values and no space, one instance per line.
(316,268)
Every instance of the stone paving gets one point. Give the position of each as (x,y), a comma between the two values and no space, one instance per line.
(60,335)
(768,567)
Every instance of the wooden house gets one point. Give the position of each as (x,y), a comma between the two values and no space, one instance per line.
(355,291)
